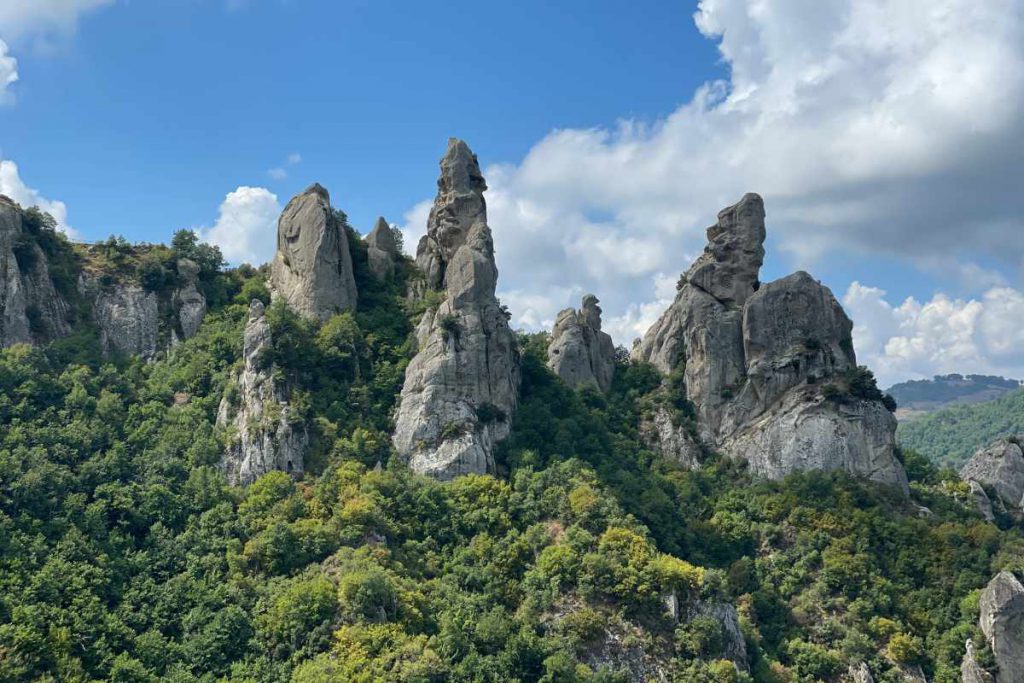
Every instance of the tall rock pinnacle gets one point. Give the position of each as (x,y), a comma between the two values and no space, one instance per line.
(312,270)
(755,360)
(381,250)
(461,387)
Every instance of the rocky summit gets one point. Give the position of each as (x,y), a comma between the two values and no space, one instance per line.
(1002,623)
(461,387)
(769,368)
(579,352)
(382,250)
(998,468)
(312,269)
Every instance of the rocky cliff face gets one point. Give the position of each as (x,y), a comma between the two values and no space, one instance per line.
(998,468)
(128,316)
(312,269)
(579,352)
(264,433)
(31,310)
(755,359)
(461,387)
(382,250)
(1002,622)
(187,301)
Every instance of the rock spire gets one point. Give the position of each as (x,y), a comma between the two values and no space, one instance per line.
(579,352)
(461,387)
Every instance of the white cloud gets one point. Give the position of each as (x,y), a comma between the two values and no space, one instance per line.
(871,127)
(12,185)
(277,173)
(943,335)
(246,225)
(44,19)
(294,158)
(280,172)
(8,74)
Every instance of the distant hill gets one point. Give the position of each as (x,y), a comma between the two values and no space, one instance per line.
(922,396)
(951,435)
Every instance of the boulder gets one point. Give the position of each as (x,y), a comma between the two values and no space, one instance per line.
(264,432)
(31,309)
(1000,468)
(579,352)
(382,250)
(312,269)
(461,387)
(1002,622)
(753,358)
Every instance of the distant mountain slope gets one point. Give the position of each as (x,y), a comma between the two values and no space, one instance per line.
(928,395)
(952,434)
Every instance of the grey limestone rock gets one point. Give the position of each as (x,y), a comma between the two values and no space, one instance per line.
(31,309)
(381,250)
(188,302)
(1002,622)
(970,670)
(264,432)
(128,316)
(754,356)
(579,352)
(461,387)
(999,467)
(312,269)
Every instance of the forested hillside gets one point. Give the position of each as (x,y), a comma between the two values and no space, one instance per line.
(950,436)
(917,397)
(126,556)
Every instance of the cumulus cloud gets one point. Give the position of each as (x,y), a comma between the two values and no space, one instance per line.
(44,19)
(917,340)
(280,172)
(871,127)
(14,187)
(246,225)
(8,74)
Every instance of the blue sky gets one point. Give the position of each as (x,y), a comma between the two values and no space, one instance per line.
(884,134)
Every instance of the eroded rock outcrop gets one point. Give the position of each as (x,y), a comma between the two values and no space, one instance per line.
(1002,622)
(461,387)
(755,359)
(265,434)
(31,309)
(382,250)
(188,302)
(127,316)
(312,269)
(970,670)
(579,352)
(998,468)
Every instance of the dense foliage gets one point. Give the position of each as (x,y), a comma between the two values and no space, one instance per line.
(125,556)
(951,436)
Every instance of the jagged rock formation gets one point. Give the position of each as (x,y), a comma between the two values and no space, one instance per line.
(999,468)
(579,352)
(187,300)
(461,387)
(1002,622)
(981,501)
(31,310)
(265,435)
(673,440)
(312,269)
(860,674)
(755,357)
(382,250)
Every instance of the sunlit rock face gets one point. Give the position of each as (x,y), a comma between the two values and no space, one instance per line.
(461,387)
(756,357)
(312,269)
(998,467)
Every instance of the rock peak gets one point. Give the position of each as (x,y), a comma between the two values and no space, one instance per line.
(579,352)
(312,269)
(729,267)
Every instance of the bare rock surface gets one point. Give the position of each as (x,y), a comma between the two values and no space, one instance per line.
(188,302)
(1000,468)
(382,250)
(755,356)
(579,352)
(312,269)
(264,435)
(461,387)
(31,310)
